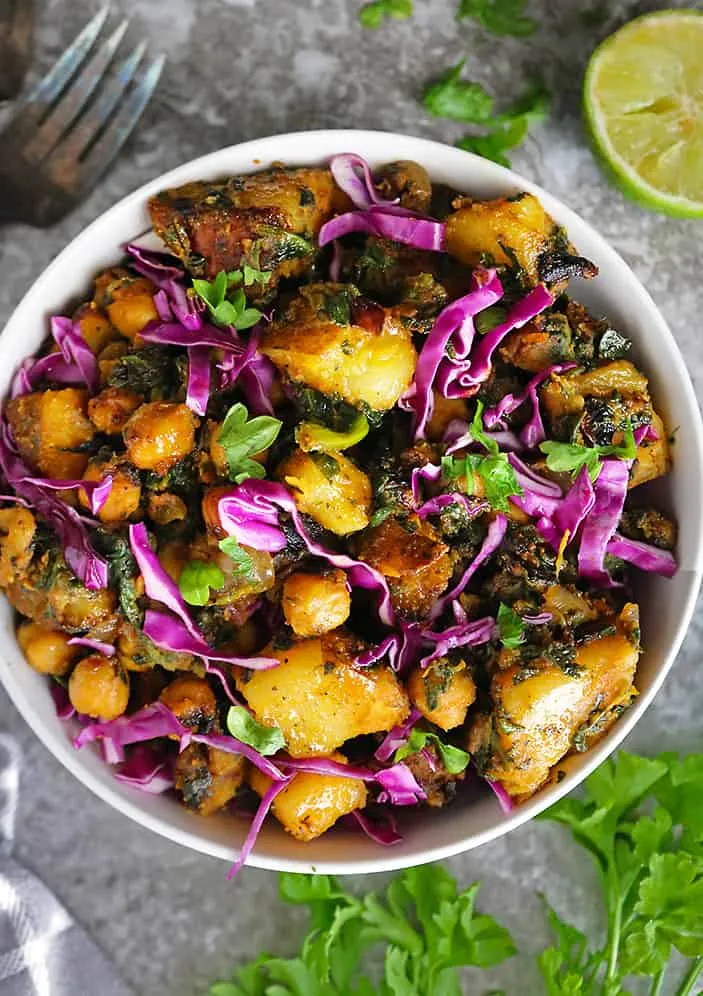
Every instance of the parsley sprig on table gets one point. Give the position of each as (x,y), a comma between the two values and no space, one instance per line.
(641,821)
(373,14)
(501,17)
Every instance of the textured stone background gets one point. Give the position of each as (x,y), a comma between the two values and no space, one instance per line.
(238,69)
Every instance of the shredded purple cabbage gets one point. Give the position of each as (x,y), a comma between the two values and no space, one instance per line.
(399,786)
(97,492)
(464,634)
(532,433)
(397,737)
(256,824)
(642,555)
(170,633)
(231,745)
(102,648)
(359,189)
(146,770)
(570,512)
(600,525)
(62,703)
(457,436)
(493,539)
(153,721)
(382,831)
(401,648)
(384,222)
(198,390)
(504,800)
(249,512)
(75,350)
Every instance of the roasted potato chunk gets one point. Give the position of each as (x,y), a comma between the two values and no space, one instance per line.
(312,803)
(17,528)
(268,221)
(319,698)
(99,687)
(47,650)
(159,435)
(443,692)
(128,300)
(329,488)
(95,327)
(540,714)
(413,558)
(52,430)
(110,410)
(206,779)
(335,341)
(314,604)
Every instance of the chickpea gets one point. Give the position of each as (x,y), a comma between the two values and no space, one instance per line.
(47,650)
(193,701)
(95,327)
(160,434)
(109,411)
(99,687)
(314,604)
(128,300)
(125,495)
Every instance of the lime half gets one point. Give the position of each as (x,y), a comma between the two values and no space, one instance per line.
(643,103)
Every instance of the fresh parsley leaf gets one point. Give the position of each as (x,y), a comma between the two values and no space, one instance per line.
(562,457)
(232,309)
(251,275)
(499,481)
(510,626)
(196,580)
(454,759)
(460,100)
(242,561)
(242,726)
(373,14)
(243,438)
(501,17)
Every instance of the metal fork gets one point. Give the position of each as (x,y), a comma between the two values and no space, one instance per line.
(68,129)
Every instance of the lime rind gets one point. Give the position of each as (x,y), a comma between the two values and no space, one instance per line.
(623,173)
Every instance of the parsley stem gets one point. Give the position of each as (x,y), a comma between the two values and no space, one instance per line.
(691,977)
(615,923)
(657,982)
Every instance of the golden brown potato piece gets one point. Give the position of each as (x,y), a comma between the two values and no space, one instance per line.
(193,701)
(110,410)
(126,492)
(319,698)
(415,561)
(339,343)
(314,604)
(206,779)
(443,692)
(329,488)
(519,224)
(268,220)
(128,300)
(49,427)
(540,715)
(99,687)
(539,344)
(95,327)
(47,650)
(160,434)
(312,803)
(17,528)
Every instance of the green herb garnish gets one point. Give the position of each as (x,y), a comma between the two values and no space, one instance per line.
(501,17)
(510,626)
(312,437)
(243,438)
(264,739)
(227,305)
(495,470)
(196,580)
(242,561)
(563,457)
(373,14)
(453,758)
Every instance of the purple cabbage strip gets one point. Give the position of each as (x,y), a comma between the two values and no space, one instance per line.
(325,766)
(172,334)
(168,278)
(470,634)
(541,619)
(249,512)
(62,703)
(359,189)
(256,824)
(170,633)
(435,505)
(397,737)
(570,512)
(493,539)
(504,800)
(75,350)
(146,771)
(198,390)
(97,492)
(532,433)
(384,222)
(52,367)
(254,371)
(430,472)
(384,832)
(399,786)
(157,583)
(335,269)
(541,497)
(457,436)
(642,555)
(453,324)
(153,721)
(84,641)
(600,525)
(402,648)
(231,745)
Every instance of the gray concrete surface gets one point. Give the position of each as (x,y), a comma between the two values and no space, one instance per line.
(238,69)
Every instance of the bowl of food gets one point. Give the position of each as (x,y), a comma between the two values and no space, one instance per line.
(352,494)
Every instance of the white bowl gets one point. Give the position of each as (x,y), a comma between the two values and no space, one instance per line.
(667,605)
